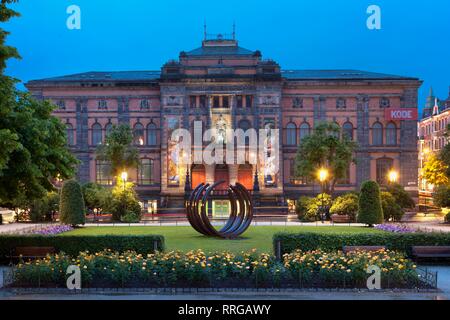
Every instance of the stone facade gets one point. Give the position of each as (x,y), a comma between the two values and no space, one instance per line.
(221,81)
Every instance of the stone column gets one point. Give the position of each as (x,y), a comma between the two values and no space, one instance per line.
(408,137)
(82,147)
(362,155)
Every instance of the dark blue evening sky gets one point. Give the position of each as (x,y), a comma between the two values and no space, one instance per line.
(319,34)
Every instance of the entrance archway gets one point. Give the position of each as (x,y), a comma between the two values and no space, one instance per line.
(221,173)
(198,175)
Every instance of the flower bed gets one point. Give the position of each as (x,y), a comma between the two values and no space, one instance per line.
(197,269)
(394,228)
(55,229)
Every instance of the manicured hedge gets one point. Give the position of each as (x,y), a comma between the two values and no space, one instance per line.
(329,242)
(73,245)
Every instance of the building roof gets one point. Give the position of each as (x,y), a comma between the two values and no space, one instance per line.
(134,76)
(339,75)
(144,76)
(219,51)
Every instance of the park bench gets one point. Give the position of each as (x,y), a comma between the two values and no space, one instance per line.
(336,218)
(347,249)
(431,252)
(31,252)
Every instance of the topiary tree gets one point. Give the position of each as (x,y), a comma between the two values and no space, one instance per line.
(71,210)
(370,209)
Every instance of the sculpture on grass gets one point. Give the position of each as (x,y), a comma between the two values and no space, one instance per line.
(241,210)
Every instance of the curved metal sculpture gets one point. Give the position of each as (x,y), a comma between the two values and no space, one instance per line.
(241,211)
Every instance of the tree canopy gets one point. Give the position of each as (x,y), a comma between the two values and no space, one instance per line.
(119,150)
(325,148)
(434,171)
(33,144)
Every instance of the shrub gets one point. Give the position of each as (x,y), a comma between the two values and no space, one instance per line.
(302,208)
(96,197)
(197,269)
(38,210)
(73,245)
(124,202)
(72,211)
(392,211)
(447,218)
(346,205)
(402,198)
(334,241)
(308,208)
(441,197)
(131,217)
(370,209)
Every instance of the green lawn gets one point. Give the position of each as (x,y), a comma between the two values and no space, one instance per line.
(185,238)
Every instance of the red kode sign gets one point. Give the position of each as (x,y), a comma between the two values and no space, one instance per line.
(401,114)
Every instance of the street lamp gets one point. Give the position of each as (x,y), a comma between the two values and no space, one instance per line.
(322,175)
(124,177)
(393,176)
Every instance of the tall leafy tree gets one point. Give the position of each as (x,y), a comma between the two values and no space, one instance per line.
(33,148)
(434,171)
(325,149)
(119,150)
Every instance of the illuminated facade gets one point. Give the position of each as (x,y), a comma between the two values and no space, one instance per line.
(226,86)
(431,130)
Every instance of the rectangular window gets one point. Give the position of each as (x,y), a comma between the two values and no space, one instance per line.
(248,101)
(202,101)
(216,102)
(239,102)
(102,105)
(193,101)
(103,173)
(225,102)
(145,172)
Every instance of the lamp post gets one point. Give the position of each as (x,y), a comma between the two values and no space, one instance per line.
(322,175)
(393,176)
(124,177)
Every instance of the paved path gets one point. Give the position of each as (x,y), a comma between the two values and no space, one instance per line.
(20,227)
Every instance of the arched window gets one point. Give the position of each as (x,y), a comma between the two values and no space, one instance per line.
(377,134)
(347,130)
(145,172)
(304,130)
(70,135)
(151,134)
(138,134)
(291,134)
(391,134)
(97,135)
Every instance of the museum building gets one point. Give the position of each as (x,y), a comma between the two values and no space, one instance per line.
(223,82)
